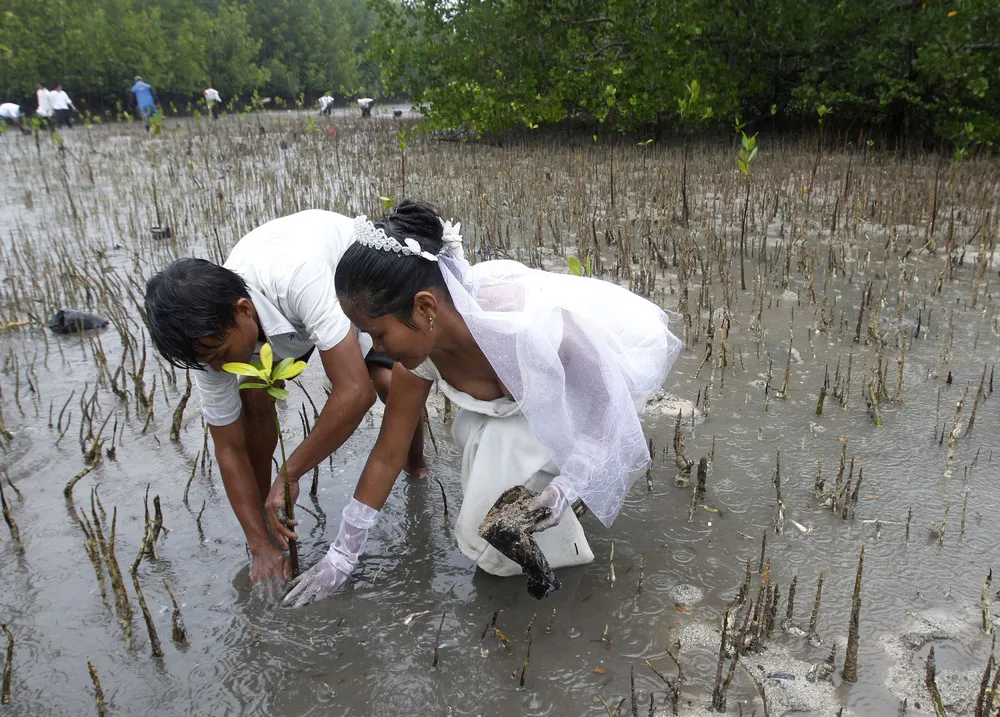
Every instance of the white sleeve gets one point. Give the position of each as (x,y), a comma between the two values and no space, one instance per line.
(312,299)
(220,396)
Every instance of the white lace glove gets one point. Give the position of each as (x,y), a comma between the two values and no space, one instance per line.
(332,573)
(558,496)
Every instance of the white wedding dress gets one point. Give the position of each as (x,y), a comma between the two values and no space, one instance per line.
(580,357)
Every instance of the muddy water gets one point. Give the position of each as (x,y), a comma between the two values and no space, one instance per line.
(371,651)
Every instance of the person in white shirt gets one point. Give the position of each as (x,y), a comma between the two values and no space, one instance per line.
(212,99)
(44,109)
(62,107)
(326,105)
(11,114)
(277,285)
(365,104)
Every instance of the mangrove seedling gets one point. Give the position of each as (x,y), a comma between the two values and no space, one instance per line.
(271,378)
(689,119)
(748,152)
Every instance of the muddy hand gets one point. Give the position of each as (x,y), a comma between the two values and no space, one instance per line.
(269,570)
(274,508)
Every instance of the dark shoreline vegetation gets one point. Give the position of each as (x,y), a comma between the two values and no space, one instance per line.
(919,69)
(911,73)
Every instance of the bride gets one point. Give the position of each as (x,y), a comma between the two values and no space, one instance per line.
(550,372)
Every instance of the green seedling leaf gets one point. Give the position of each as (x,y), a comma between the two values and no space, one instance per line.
(278,393)
(266,359)
(253,384)
(753,153)
(287,373)
(243,369)
(575,267)
(282,366)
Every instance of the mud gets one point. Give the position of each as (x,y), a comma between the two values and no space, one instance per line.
(75,231)
(508,527)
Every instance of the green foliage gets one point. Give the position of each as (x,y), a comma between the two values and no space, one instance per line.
(156,123)
(748,152)
(909,66)
(689,110)
(95,47)
(266,372)
(578,269)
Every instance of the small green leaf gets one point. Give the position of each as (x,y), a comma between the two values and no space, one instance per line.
(253,384)
(278,393)
(282,365)
(753,154)
(575,267)
(243,369)
(287,373)
(266,359)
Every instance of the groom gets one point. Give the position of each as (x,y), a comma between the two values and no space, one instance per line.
(276,286)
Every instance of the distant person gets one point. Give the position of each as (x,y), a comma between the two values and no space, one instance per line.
(212,99)
(44,110)
(365,105)
(11,114)
(145,100)
(326,105)
(62,107)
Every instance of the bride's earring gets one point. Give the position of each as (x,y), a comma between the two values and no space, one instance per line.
(431,319)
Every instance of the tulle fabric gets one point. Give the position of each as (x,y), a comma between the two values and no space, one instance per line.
(347,547)
(579,356)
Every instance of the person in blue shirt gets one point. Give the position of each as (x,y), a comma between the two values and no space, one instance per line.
(144,99)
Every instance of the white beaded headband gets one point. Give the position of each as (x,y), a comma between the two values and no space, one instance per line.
(366,234)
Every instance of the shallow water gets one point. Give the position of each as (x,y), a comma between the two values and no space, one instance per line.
(356,654)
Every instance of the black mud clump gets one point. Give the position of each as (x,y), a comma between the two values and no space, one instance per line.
(508,528)
(70,321)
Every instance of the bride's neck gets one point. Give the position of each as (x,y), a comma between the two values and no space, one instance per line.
(455,341)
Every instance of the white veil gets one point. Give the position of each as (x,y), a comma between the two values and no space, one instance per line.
(579,356)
